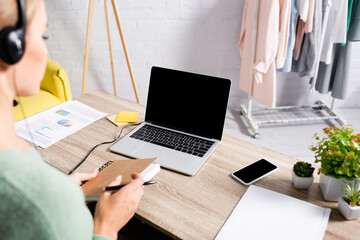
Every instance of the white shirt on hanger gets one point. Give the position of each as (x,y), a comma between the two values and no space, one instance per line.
(335,29)
(303,9)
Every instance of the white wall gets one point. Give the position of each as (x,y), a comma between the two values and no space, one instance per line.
(191,35)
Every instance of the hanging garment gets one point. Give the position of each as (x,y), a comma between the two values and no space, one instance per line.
(350,4)
(354,29)
(334,77)
(303,27)
(291,41)
(284,28)
(263,68)
(310,18)
(335,29)
(303,9)
(308,57)
(300,30)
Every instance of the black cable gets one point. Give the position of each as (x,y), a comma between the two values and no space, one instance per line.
(15,103)
(33,141)
(82,161)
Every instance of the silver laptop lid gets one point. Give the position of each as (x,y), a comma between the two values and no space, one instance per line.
(188,102)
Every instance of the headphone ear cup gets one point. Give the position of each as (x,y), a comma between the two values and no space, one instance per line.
(12,45)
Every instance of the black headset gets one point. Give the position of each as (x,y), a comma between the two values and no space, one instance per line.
(12,39)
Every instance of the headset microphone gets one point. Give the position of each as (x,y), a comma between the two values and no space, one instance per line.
(12,38)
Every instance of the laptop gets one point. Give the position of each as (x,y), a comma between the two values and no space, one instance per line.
(184,120)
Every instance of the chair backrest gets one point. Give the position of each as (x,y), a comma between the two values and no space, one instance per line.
(56,81)
(54,89)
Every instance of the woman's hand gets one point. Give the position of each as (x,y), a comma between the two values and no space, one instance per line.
(115,208)
(79,178)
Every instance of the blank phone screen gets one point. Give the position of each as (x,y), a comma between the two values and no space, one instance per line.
(254,170)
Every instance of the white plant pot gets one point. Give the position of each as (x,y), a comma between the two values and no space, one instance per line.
(346,210)
(331,187)
(302,182)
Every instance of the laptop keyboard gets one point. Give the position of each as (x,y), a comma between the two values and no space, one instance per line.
(174,140)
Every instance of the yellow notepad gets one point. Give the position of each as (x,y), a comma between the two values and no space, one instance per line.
(112,118)
(129,117)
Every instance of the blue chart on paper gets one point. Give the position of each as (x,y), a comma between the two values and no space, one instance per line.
(65,123)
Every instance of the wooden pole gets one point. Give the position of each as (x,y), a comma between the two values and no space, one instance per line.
(116,12)
(87,45)
(110,49)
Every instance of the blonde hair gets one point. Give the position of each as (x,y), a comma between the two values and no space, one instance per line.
(9,11)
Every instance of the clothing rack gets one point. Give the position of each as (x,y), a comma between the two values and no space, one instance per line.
(287,114)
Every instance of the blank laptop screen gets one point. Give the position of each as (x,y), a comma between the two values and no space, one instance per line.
(188,102)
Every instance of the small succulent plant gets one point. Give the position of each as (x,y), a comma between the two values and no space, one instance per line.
(352,193)
(303,169)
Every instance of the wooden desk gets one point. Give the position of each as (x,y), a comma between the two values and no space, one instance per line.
(191,207)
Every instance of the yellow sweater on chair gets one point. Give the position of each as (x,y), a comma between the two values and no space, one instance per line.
(54,89)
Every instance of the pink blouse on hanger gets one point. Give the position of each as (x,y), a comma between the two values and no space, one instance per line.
(310,18)
(266,47)
(284,28)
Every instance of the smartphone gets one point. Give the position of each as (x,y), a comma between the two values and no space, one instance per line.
(254,172)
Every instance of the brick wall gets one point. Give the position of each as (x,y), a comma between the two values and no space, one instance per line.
(190,35)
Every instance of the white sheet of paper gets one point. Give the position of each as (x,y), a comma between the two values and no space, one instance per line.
(50,126)
(265,214)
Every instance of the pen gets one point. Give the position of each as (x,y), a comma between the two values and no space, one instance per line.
(123,185)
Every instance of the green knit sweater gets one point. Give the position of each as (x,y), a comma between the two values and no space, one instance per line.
(37,201)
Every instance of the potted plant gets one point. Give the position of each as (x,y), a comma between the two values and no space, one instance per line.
(349,203)
(302,175)
(339,155)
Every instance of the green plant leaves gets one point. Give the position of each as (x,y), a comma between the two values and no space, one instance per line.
(338,171)
(338,152)
(303,169)
(357,173)
(352,193)
(347,162)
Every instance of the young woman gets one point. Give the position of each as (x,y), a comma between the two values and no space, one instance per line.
(38,201)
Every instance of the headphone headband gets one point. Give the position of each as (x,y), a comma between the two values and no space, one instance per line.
(21,23)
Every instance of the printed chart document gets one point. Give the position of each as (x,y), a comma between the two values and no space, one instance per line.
(265,214)
(47,127)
